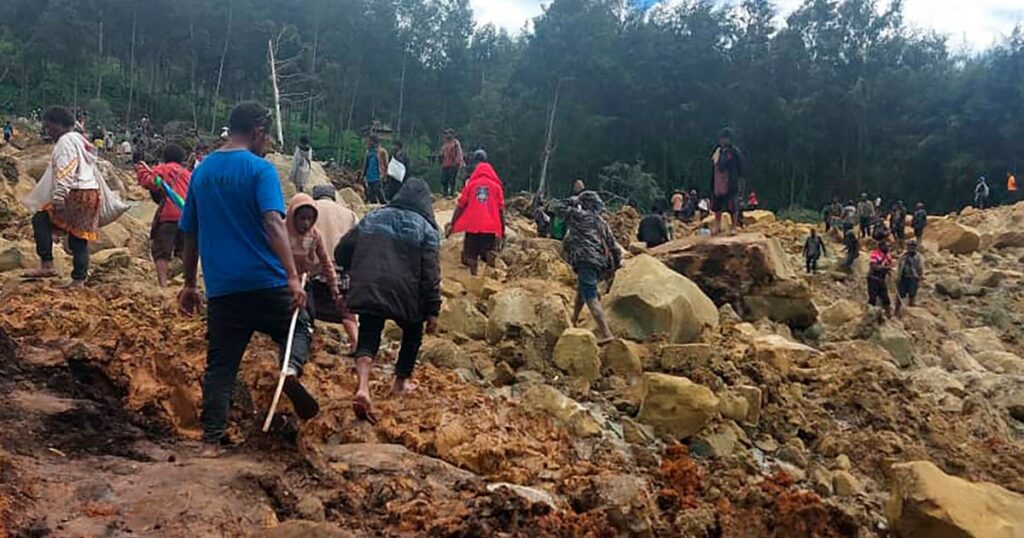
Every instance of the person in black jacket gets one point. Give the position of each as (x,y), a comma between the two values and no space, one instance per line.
(394,264)
(726,169)
(652,230)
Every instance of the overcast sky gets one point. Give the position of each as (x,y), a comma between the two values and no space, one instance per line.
(978,23)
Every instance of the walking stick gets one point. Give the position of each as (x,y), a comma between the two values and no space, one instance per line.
(284,365)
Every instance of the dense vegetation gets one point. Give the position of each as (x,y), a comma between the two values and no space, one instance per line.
(841,98)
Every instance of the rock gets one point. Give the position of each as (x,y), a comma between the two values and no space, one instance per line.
(576,354)
(952,236)
(992,278)
(794,452)
(747,269)
(979,339)
(781,353)
(845,484)
(452,288)
(504,374)
(862,349)
(950,287)
(926,502)
(820,479)
(11,257)
(1001,362)
(684,358)
(113,235)
(283,164)
(676,406)
(309,507)
(897,342)
(753,397)
(758,216)
(733,405)
(625,501)
(621,357)
(296,528)
(636,433)
(648,299)
(515,312)
(841,312)
(548,400)
(842,463)
(351,198)
(1009,239)
(717,442)
(112,258)
(460,316)
(531,495)
(445,354)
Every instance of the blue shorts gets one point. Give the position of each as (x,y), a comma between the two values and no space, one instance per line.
(587,276)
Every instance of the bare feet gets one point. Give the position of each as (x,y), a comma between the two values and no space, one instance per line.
(403,386)
(42,272)
(363,408)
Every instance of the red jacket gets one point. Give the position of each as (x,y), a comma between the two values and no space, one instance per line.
(176,176)
(482,201)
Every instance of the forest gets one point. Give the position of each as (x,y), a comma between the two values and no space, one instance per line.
(840,97)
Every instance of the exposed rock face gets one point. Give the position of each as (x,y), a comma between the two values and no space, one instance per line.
(460,316)
(897,342)
(676,406)
(949,235)
(576,354)
(749,270)
(283,164)
(648,299)
(526,325)
(925,502)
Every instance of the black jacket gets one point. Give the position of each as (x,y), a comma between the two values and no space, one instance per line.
(731,162)
(652,230)
(393,258)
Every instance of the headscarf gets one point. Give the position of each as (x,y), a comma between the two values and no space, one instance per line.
(415,196)
(297,202)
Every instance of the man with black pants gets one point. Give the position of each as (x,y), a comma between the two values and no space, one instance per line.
(393,258)
(234,220)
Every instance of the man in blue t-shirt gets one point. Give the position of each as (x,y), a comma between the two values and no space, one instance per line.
(234,221)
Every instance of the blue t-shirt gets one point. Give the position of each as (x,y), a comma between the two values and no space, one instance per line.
(372,166)
(226,201)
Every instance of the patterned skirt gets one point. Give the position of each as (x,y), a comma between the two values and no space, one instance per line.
(80,216)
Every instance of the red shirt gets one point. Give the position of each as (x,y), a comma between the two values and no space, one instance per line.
(481,201)
(176,176)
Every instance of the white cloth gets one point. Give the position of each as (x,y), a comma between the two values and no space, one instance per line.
(73,165)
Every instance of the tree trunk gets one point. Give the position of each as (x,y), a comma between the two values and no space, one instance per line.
(401,96)
(547,143)
(277,94)
(312,80)
(131,72)
(220,71)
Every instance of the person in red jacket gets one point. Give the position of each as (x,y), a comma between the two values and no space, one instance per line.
(480,212)
(166,241)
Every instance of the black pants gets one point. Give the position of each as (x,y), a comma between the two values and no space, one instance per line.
(812,264)
(865,226)
(391,188)
(878,292)
(919,234)
(448,177)
(850,258)
(231,321)
(370,329)
(42,230)
(375,193)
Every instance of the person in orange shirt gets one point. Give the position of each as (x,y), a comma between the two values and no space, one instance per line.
(1011,187)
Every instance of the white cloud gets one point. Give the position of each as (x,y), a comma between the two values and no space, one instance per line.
(978,23)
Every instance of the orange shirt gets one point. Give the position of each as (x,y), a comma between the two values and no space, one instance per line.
(1011,183)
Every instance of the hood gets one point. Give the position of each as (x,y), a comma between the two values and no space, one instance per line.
(299,200)
(415,196)
(485,171)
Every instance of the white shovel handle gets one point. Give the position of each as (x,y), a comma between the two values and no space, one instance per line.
(284,364)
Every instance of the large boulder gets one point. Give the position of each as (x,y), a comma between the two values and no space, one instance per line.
(576,354)
(648,300)
(1001,362)
(515,311)
(676,406)
(283,164)
(950,235)
(746,270)
(897,342)
(927,503)
(1009,239)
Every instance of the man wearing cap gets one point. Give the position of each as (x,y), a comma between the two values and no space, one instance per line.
(452,161)
(480,212)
